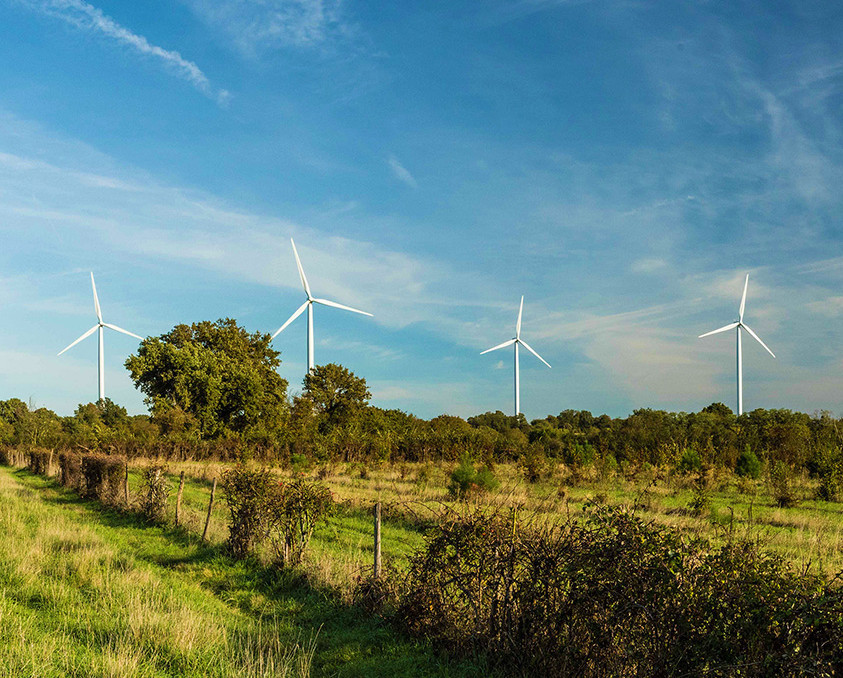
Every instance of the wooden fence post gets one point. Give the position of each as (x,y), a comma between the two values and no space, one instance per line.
(126,485)
(377,569)
(210,506)
(178,498)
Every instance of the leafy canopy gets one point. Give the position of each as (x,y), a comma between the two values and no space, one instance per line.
(215,374)
(335,393)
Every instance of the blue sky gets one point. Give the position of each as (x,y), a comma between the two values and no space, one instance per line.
(623,164)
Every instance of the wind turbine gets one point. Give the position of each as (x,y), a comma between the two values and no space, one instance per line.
(515,341)
(99,327)
(738,325)
(311,300)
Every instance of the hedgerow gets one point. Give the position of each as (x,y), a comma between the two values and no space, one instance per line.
(614,596)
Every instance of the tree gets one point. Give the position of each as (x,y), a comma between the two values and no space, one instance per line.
(214,373)
(335,394)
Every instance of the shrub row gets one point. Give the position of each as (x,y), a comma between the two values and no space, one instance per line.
(94,476)
(40,461)
(613,596)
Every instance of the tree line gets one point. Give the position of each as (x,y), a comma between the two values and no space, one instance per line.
(213,391)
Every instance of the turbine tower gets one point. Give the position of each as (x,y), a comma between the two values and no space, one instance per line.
(99,328)
(515,341)
(311,300)
(738,325)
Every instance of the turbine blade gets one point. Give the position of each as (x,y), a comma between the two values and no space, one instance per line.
(96,299)
(503,345)
(743,298)
(725,328)
(527,346)
(295,315)
(758,339)
(84,336)
(301,271)
(120,329)
(344,308)
(518,322)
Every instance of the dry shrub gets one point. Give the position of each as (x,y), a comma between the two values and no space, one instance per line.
(297,507)
(104,477)
(152,500)
(39,461)
(249,495)
(613,596)
(70,469)
(263,508)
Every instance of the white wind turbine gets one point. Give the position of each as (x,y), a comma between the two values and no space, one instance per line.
(99,327)
(309,306)
(515,341)
(738,325)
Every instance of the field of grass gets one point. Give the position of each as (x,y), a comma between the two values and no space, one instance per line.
(88,591)
(809,534)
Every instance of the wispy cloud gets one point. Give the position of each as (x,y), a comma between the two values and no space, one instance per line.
(259,25)
(401,172)
(86,17)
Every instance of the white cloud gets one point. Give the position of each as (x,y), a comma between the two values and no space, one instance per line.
(89,18)
(648,265)
(401,172)
(258,25)
(830,307)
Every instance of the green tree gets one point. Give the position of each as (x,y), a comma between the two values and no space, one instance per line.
(217,375)
(335,394)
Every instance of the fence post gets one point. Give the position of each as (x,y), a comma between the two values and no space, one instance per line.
(377,569)
(178,497)
(50,464)
(126,485)
(210,506)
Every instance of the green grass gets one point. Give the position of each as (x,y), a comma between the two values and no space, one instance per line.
(810,533)
(88,591)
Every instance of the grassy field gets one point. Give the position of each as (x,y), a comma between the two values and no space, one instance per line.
(88,591)
(809,534)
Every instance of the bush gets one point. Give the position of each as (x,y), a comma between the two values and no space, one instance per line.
(70,469)
(104,477)
(296,508)
(40,461)
(828,467)
(781,485)
(466,480)
(154,493)
(250,497)
(613,596)
(748,464)
(533,464)
(690,462)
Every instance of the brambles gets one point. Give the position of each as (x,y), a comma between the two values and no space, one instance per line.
(153,494)
(613,596)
